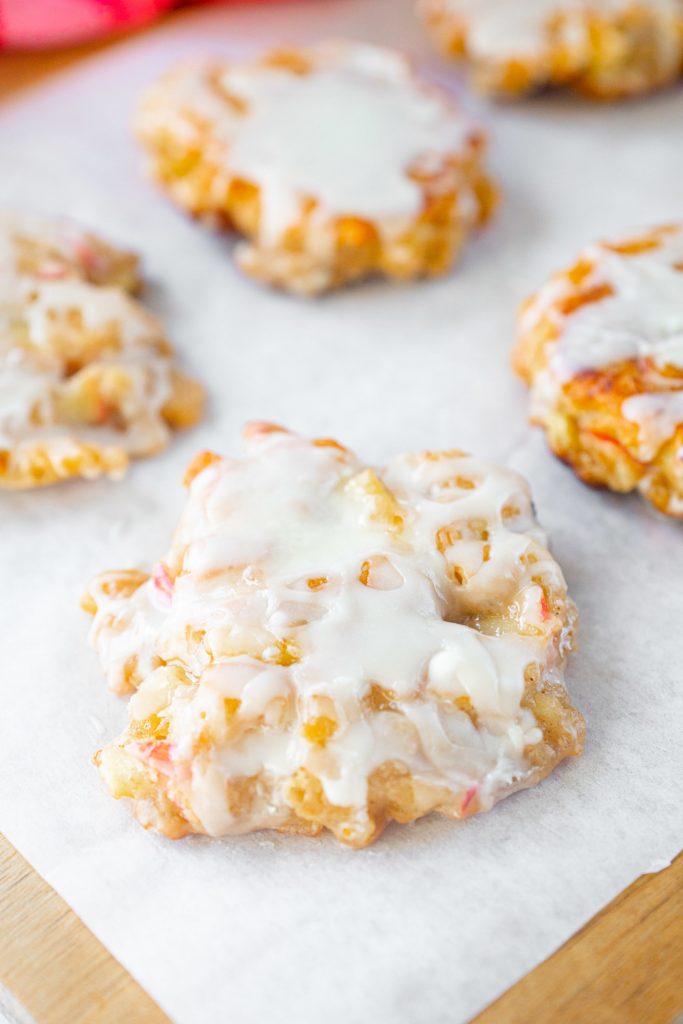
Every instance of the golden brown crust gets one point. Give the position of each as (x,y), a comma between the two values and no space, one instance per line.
(604,55)
(585,416)
(87,371)
(39,465)
(202,753)
(188,162)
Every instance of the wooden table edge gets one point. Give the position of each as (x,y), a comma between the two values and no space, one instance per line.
(623,967)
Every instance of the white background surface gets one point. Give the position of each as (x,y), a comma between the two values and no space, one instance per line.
(438,918)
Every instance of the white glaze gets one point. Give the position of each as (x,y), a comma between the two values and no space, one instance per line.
(658,415)
(347,134)
(252,535)
(642,319)
(101,308)
(65,242)
(24,394)
(500,30)
(38,303)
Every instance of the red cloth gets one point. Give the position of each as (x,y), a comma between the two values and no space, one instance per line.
(29,24)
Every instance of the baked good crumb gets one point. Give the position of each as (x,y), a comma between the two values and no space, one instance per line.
(87,377)
(332,646)
(605,49)
(600,346)
(334,162)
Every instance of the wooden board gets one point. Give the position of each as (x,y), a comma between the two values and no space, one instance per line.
(52,964)
(624,967)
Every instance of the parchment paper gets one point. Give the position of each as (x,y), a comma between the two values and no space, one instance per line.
(438,918)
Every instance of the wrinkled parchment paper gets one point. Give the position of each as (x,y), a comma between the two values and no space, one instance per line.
(438,918)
